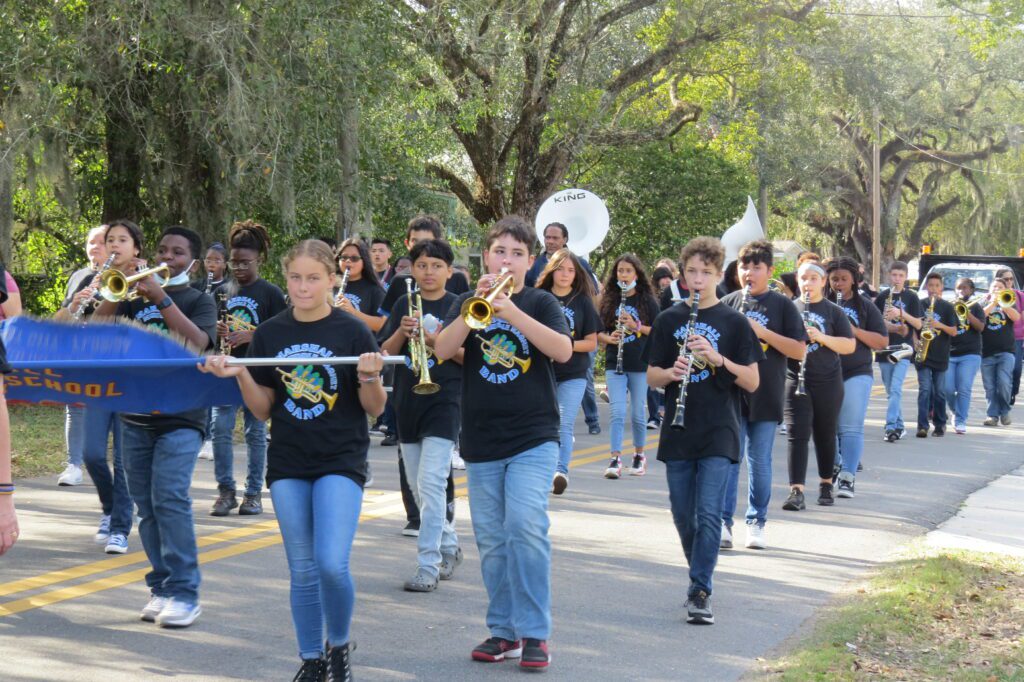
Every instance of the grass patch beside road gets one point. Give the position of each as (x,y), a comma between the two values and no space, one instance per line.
(936,615)
(37,440)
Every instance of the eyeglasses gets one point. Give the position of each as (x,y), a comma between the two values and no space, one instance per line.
(349,259)
(240,264)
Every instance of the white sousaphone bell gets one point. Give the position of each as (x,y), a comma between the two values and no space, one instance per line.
(746,230)
(583,214)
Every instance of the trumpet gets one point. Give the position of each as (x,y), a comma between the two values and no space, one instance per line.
(84,305)
(1006,298)
(238,324)
(116,286)
(496,352)
(927,334)
(477,311)
(961,310)
(419,353)
(302,385)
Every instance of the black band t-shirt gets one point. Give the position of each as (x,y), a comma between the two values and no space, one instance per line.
(905,300)
(366,297)
(509,403)
(318,426)
(581,316)
(776,313)
(252,304)
(822,364)
(438,414)
(633,344)
(997,336)
(862,314)
(967,340)
(202,311)
(938,350)
(712,397)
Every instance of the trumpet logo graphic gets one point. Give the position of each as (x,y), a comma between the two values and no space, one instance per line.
(304,382)
(501,350)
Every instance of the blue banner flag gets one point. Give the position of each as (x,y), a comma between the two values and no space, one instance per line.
(117,367)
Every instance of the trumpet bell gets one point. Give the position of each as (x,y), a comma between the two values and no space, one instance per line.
(426,388)
(477,311)
(115,286)
(960,308)
(1006,298)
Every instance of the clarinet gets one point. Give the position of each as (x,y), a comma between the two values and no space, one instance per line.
(679,420)
(84,305)
(209,282)
(801,389)
(621,328)
(745,300)
(341,289)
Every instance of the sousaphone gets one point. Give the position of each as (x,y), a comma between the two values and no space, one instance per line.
(583,214)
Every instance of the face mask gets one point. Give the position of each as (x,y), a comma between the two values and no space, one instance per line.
(627,287)
(177,280)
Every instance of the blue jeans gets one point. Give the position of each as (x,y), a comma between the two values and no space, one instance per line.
(318,520)
(892,379)
(655,403)
(590,413)
(635,383)
(695,490)
(570,395)
(224,451)
(959,383)
(427,465)
(160,470)
(856,393)
(1018,357)
(74,433)
(112,487)
(756,441)
(931,397)
(508,500)
(997,376)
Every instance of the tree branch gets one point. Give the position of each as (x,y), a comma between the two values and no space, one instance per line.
(684,112)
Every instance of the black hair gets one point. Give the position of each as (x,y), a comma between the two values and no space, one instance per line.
(195,242)
(425,222)
(933,275)
(852,267)
(381,240)
(219,248)
(581,283)
(613,294)
(514,226)
(756,252)
(432,248)
(250,235)
(329,240)
(731,277)
(560,226)
(134,230)
(661,272)
(898,265)
(789,279)
(364,255)
(969,281)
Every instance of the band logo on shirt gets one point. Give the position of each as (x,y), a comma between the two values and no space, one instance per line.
(307,384)
(852,315)
(570,318)
(502,363)
(759,317)
(995,321)
(243,314)
(817,321)
(635,314)
(152,318)
(700,370)
(355,299)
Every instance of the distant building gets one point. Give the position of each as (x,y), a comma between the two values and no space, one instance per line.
(786,249)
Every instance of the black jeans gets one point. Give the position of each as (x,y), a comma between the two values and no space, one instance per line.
(813,415)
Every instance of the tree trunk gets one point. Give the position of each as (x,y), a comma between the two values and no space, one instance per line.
(348,155)
(6,202)
(123,180)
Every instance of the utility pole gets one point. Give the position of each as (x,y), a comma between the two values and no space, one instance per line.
(876,206)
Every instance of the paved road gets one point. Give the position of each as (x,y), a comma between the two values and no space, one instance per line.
(68,612)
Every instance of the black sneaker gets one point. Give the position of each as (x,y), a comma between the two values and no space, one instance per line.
(845,489)
(535,654)
(412,529)
(312,670)
(251,505)
(495,649)
(891,436)
(860,467)
(938,432)
(922,433)
(900,433)
(390,439)
(825,498)
(594,429)
(339,665)
(795,501)
(225,501)
(698,610)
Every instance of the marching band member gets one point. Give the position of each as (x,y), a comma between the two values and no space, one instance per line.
(628,309)
(776,323)
(74,415)
(9,530)
(697,459)
(858,375)
(510,439)
(216,264)
(363,293)
(901,310)
(814,387)
(249,301)
(565,277)
(316,461)
(937,314)
(997,355)
(123,240)
(160,449)
(428,423)
(964,355)
(1010,280)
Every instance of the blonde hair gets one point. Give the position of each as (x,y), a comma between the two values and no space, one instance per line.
(311,248)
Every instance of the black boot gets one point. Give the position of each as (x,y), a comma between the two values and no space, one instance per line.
(312,670)
(225,501)
(339,667)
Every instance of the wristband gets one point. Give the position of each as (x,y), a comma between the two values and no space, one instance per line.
(373,379)
(165,304)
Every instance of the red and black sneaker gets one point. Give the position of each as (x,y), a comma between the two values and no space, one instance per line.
(535,654)
(496,649)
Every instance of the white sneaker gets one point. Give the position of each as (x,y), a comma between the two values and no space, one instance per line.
(178,614)
(206,452)
(117,543)
(457,461)
(726,541)
(72,475)
(756,537)
(103,532)
(614,469)
(153,608)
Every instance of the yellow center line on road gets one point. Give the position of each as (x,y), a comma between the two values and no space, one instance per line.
(378,510)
